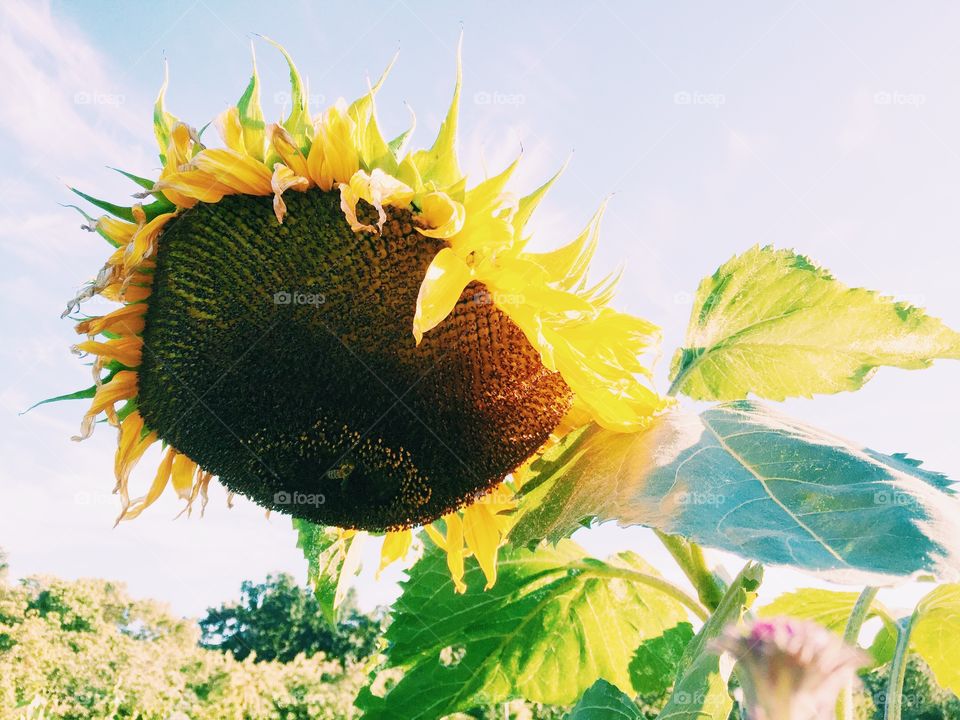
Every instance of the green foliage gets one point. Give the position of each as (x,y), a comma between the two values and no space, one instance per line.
(554,623)
(700,691)
(743,478)
(656,661)
(83,650)
(922,698)
(278,620)
(936,634)
(772,323)
(332,561)
(603,701)
(832,609)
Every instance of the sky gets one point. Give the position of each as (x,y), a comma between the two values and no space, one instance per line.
(809,125)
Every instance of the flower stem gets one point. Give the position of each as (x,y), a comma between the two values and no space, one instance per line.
(898,669)
(850,635)
(689,557)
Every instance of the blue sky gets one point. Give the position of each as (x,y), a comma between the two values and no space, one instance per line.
(832,130)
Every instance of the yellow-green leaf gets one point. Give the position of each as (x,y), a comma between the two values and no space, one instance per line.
(771,323)
(936,634)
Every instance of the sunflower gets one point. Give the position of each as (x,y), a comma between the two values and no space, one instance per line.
(340,329)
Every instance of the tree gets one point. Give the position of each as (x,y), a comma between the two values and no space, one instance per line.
(84,650)
(278,620)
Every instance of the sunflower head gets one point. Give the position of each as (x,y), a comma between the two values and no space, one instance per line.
(341,329)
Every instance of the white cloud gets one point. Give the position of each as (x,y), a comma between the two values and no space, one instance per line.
(60,102)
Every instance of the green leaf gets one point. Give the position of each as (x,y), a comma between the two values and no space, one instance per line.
(772,323)
(332,562)
(936,635)
(124,212)
(655,663)
(700,692)
(603,701)
(832,610)
(554,623)
(743,478)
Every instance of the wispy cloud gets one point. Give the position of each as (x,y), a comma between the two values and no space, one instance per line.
(60,101)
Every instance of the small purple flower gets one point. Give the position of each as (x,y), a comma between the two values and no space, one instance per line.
(790,669)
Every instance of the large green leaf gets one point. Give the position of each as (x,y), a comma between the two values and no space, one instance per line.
(655,663)
(936,635)
(332,562)
(700,691)
(554,623)
(746,479)
(604,701)
(769,322)
(832,609)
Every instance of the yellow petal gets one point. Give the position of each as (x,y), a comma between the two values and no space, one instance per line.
(442,286)
(228,126)
(396,544)
(441,215)
(283,179)
(377,189)
(126,350)
(334,157)
(234,169)
(250,114)
(284,146)
(131,447)
(128,320)
(482,535)
(454,543)
(163,121)
(182,475)
(435,535)
(156,488)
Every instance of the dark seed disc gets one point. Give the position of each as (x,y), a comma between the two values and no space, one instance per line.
(281,358)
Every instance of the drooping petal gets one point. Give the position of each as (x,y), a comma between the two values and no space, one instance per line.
(442,286)
(127,320)
(284,179)
(396,545)
(182,475)
(454,548)
(482,535)
(157,487)
(126,350)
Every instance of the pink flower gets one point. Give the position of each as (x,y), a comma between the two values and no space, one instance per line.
(790,669)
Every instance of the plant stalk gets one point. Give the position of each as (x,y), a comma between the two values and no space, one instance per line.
(851,634)
(689,556)
(898,669)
